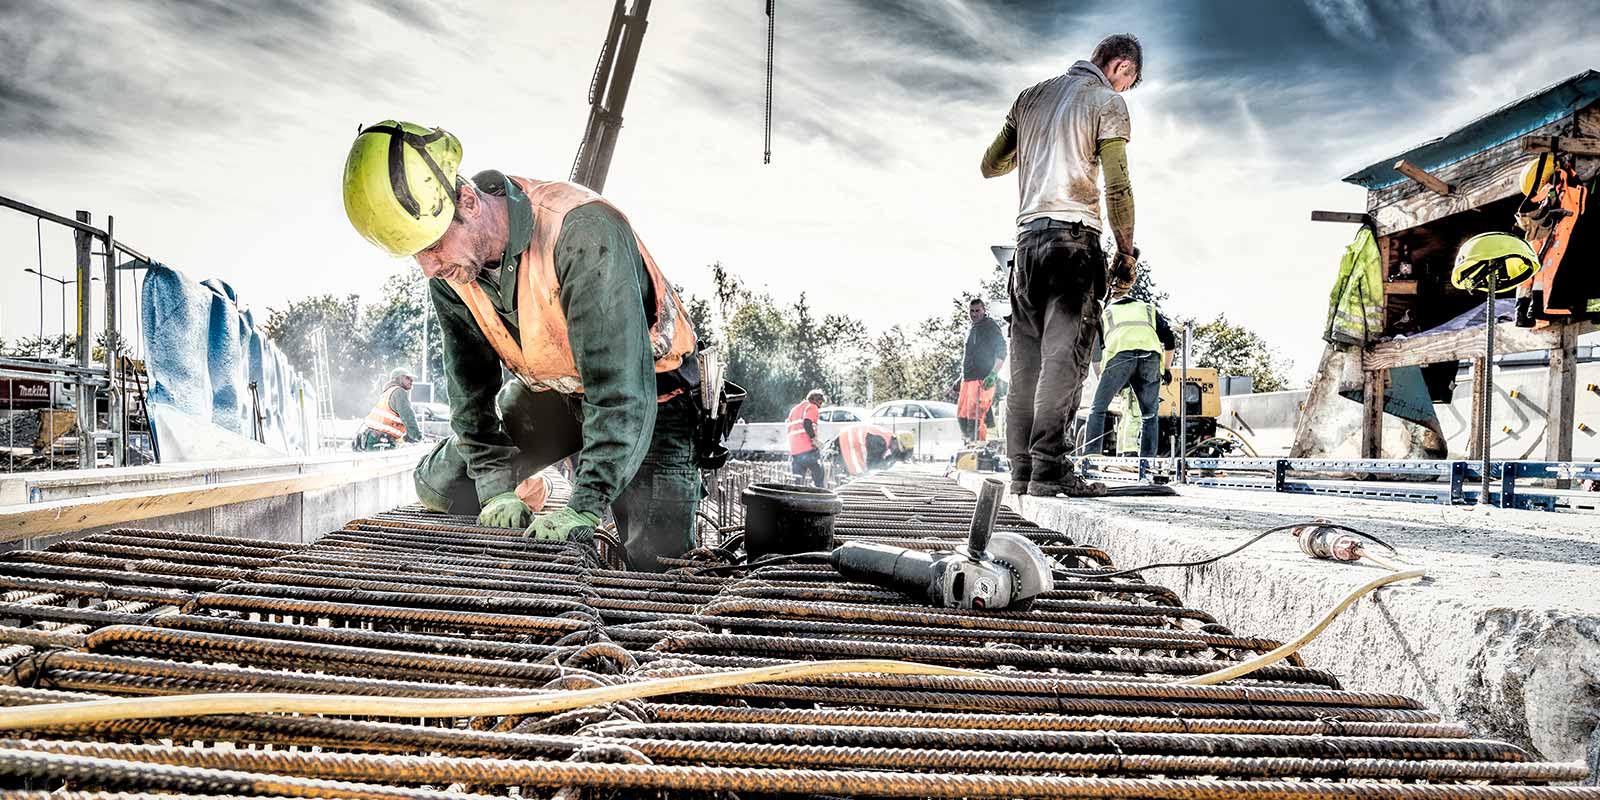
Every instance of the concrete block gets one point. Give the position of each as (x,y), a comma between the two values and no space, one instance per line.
(1503,636)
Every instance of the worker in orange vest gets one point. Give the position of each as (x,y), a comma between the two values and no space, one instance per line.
(549,281)
(805,458)
(391,420)
(863,447)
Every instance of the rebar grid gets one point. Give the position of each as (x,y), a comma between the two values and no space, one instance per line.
(1076,698)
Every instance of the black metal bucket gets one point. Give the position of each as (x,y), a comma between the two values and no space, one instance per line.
(788,519)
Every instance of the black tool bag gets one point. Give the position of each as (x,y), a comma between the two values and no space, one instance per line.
(709,432)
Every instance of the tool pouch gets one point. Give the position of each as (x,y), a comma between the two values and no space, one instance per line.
(709,431)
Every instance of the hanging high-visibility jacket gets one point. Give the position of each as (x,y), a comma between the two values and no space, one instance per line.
(1355,308)
(382,417)
(543,358)
(853,446)
(1128,326)
(799,440)
(1550,241)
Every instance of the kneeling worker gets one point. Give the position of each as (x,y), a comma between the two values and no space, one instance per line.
(391,420)
(549,281)
(864,447)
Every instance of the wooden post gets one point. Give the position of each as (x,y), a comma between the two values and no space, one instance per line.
(1561,398)
(1475,436)
(1374,382)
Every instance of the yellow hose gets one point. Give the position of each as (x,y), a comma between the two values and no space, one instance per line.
(36,716)
(1287,649)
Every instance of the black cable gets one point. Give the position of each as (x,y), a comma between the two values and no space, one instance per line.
(815,555)
(1258,537)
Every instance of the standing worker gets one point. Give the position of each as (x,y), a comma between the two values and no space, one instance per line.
(391,420)
(864,447)
(1058,136)
(1137,351)
(805,458)
(980,370)
(549,281)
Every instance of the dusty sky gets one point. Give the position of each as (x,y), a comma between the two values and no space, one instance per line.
(215,132)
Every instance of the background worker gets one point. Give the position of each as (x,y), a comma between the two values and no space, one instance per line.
(1058,136)
(805,457)
(985,354)
(549,281)
(864,447)
(391,419)
(1138,347)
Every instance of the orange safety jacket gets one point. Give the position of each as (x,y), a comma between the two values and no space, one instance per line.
(853,446)
(543,358)
(382,417)
(799,440)
(1551,243)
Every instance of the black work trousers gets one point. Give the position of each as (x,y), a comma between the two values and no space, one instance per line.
(1057,279)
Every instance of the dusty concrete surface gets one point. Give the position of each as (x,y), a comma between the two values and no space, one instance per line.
(1503,636)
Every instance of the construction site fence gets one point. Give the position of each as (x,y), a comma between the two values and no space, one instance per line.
(1536,485)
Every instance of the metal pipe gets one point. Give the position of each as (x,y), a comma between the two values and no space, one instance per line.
(81,225)
(86,398)
(117,423)
(1183,405)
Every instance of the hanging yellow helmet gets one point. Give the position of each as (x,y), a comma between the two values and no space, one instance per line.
(1504,258)
(400,185)
(1538,173)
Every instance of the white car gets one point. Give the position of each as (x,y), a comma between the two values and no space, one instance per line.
(434,419)
(934,422)
(842,414)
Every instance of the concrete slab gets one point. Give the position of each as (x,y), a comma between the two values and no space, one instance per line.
(1504,636)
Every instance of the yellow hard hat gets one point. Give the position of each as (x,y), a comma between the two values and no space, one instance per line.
(400,185)
(1507,258)
(1537,173)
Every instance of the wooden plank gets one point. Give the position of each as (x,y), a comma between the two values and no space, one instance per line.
(1475,430)
(60,516)
(1422,176)
(1561,400)
(1373,386)
(1399,287)
(1352,217)
(1430,349)
(1576,145)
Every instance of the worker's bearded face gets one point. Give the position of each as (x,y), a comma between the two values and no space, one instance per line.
(466,246)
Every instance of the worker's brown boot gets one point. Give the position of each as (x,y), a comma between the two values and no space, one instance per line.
(1069,484)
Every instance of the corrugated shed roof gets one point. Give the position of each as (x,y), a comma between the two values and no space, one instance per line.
(1501,125)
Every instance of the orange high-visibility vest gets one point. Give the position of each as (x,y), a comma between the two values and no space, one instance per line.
(382,417)
(799,442)
(543,358)
(853,446)
(1552,245)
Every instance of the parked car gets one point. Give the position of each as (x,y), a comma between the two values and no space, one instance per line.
(842,414)
(934,422)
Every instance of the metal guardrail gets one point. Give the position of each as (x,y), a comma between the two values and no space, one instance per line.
(1448,482)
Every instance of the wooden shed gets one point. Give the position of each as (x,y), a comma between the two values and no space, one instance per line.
(1424,202)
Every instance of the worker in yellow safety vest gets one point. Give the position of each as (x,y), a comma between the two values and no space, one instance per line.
(391,419)
(1137,344)
(863,447)
(805,457)
(549,281)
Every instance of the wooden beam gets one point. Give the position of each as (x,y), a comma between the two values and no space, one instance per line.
(1352,217)
(1561,400)
(1576,145)
(1374,385)
(1480,366)
(1422,176)
(1433,348)
(27,520)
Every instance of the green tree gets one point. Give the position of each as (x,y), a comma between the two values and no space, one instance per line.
(1233,349)
(293,328)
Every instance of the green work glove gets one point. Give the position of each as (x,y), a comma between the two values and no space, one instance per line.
(988,383)
(505,510)
(558,526)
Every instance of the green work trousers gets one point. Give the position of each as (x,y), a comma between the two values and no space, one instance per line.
(655,512)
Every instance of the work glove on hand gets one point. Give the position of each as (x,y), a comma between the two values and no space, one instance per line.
(505,510)
(988,383)
(558,526)
(1166,377)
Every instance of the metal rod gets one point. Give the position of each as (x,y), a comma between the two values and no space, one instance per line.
(81,225)
(1485,438)
(86,446)
(114,398)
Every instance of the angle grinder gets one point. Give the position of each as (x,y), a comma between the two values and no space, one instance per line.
(992,571)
